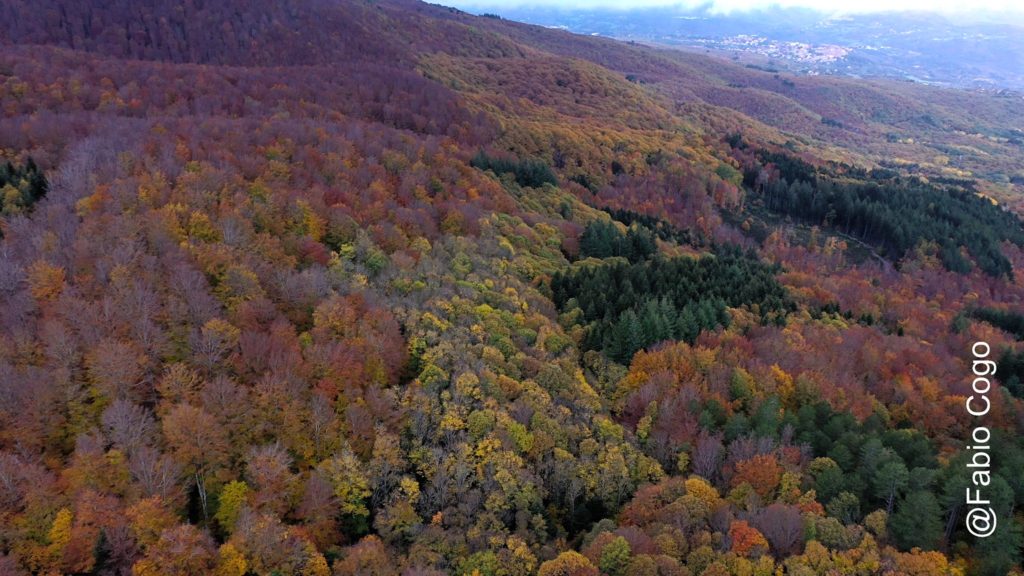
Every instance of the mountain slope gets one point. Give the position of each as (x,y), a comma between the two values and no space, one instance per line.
(380,287)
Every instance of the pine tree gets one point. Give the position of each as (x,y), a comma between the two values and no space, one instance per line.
(917,522)
(686,325)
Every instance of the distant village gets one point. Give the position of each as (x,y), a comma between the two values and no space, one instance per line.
(793,51)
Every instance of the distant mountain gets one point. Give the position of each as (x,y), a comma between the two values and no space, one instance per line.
(976,52)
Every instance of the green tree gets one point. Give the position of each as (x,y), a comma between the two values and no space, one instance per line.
(828,478)
(917,522)
(845,507)
(615,557)
(890,481)
(351,484)
(234,496)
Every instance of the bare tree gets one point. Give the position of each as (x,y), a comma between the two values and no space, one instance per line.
(128,426)
(157,474)
(706,455)
(782,526)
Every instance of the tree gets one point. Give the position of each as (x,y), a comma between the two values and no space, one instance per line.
(233,498)
(615,557)
(230,562)
(116,368)
(917,522)
(484,563)
(386,465)
(156,474)
(918,563)
(830,532)
(889,482)
(149,519)
(197,443)
(569,563)
(602,239)
(706,456)
(217,339)
(828,478)
(782,526)
(762,472)
(128,426)
(269,470)
(399,521)
(347,476)
(528,172)
(46,281)
(877,522)
(318,510)
(60,533)
(181,551)
(367,558)
(997,553)
(845,507)
(270,547)
(746,540)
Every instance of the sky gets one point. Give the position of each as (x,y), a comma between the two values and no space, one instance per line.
(949,7)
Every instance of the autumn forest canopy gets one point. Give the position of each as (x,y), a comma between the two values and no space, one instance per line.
(378,287)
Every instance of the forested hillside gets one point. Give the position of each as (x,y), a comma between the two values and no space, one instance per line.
(376,287)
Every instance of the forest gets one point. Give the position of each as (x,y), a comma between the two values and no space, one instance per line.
(895,214)
(446,294)
(627,307)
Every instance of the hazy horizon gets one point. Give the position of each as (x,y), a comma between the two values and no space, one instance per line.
(980,10)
